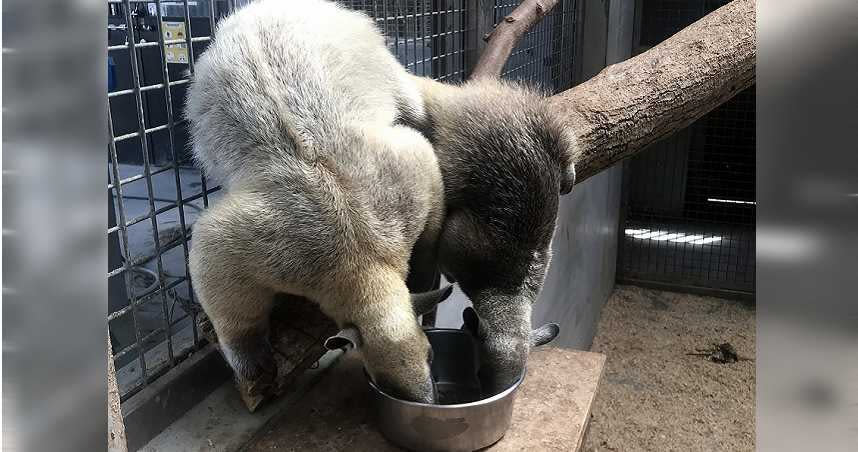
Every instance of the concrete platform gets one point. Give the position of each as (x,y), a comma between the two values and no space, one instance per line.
(551,411)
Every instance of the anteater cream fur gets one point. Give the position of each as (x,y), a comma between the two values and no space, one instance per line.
(295,110)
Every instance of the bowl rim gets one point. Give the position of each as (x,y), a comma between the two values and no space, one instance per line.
(485,401)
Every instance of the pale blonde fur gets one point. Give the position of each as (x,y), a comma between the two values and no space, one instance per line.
(294,109)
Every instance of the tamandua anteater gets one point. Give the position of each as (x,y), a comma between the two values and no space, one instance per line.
(296,111)
(505,160)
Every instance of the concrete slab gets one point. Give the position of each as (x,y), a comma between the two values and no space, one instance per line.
(221,422)
(551,411)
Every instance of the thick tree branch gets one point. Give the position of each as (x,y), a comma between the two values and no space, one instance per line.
(632,104)
(506,35)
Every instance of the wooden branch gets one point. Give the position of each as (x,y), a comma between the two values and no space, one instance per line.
(632,104)
(506,35)
(116,441)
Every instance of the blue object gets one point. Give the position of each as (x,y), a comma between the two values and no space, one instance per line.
(111,74)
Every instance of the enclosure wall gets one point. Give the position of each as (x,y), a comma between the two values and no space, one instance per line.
(689,201)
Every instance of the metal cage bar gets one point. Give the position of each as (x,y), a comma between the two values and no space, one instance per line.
(138,98)
(124,237)
(177,176)
(166,288)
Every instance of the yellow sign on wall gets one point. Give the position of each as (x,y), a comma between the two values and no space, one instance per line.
(175,53)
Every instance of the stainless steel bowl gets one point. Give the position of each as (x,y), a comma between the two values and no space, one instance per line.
(464,422)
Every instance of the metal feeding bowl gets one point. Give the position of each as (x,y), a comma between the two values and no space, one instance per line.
(463,421)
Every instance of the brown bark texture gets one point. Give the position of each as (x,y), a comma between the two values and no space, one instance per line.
(634,103)
(115,423)
(506,35)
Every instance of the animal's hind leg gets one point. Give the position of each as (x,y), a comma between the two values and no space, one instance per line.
(243,337)
(238,306)
(240,316)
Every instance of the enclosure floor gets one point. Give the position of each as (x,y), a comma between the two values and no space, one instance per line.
(550,411)
(655,397)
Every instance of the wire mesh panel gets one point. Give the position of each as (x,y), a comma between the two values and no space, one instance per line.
(433,37)
(155,192)
(427,36)
(543,57)
(689,199)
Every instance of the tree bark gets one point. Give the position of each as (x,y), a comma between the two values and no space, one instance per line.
(115,423)
(632,104)
(506,35)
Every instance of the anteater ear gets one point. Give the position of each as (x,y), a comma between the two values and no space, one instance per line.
(348,337)
(567,179)
(544,334)
(424,302)
(568,150)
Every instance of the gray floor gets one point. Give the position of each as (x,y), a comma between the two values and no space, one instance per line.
(221,422)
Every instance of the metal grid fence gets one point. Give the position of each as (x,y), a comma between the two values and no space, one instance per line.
(427,36)
(155,192)
(690,200)
(543,57)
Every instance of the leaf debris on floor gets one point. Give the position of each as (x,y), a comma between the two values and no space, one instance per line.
(723,353)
